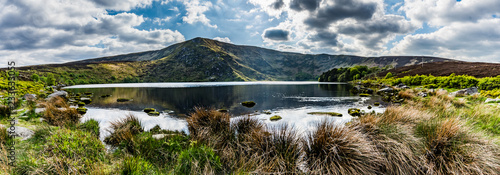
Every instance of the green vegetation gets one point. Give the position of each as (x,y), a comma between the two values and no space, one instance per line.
(348,74)
(334,114)
(91,126)
(154,113)
(123,99)
(147,110)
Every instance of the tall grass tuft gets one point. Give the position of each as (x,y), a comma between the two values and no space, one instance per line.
(66,116)
(137,166)
(332,149)
(198,160)
(91,126)
(123,132)
(450,148)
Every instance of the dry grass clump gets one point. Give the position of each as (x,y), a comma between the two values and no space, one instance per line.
(60,117)
(403,115)
(123,131)
(407,94)
(450,148)
(210,126)
(58,102)
(332,149)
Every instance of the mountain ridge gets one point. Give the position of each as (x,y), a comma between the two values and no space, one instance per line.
(202,59)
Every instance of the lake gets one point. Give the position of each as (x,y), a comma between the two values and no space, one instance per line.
(290,100)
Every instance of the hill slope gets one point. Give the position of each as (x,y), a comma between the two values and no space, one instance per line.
(203,59)
(478,70)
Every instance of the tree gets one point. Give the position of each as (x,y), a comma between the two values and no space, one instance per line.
(50,79)
(35,77)
(388,75)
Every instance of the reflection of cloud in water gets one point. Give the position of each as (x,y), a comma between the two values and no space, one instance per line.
(296,117)
(105,116)
(326,99)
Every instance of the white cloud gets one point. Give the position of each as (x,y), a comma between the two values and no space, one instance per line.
(471,41)
(225,39)
(445,12)
(161,21)
(195,12)
(35,32)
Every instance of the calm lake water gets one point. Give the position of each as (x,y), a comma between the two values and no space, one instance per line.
(291,100)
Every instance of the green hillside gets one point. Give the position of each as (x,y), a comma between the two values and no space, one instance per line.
(202,59)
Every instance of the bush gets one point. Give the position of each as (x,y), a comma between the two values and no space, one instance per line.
(388,75)
(198,160)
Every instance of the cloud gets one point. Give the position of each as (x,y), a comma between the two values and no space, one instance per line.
(276,34)
(161,21)
(60,31)
(225,39)
(278,4)
(472,41)
(124,5)
(341,9)
(445,12)
(195,12)
(300,5)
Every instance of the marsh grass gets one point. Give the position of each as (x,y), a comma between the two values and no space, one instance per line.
(137,166)
(123,132)
(332,149)
(58,113)
(91,126)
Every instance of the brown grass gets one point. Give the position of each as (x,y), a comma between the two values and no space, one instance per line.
(407,94)
(334,149)
(124,130)
(60,117)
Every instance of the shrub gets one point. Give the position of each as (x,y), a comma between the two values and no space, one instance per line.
(388,75)
(35,77)
(198,160)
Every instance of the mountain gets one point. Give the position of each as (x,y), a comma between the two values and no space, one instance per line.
(202,59)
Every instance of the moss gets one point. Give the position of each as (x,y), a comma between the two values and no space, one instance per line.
(248,104)
(354,111)
(81,110)
(364,95)
(153,113)
(369,107)
(334,114)
(275,118)
(376,104)
(148,110)
(81,104)
(123,99)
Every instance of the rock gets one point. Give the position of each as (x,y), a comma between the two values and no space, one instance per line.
(275,118)
(248,104)
(222,110)
(147,110)
(369,107)
(23,132)
(422,94)
(153,113)
(123,99)
(385,90)
(267,112)
(86,100)
(159,136)
(335,114)
(81,104)
(466,91)
(402,86)
(81,110)
(30,97)
(491,100)
(39,110)
(62,94)
(376,104)
(364,95)
(104,96)
(354,111)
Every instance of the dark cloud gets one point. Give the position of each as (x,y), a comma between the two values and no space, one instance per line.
(276,34)
(327,38)
(395,24)
(278,4)
(300,5)
(342,9)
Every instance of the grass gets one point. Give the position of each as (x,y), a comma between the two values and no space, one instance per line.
(58,113)
(123,132)
(91,126)
(334,114)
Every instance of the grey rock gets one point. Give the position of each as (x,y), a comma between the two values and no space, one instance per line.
(466,91)
(63,94)
(30,97)
(422,94)
(488,100)
(39,110)
(385,90)
(23,132)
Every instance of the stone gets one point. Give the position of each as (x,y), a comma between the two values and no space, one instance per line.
(30,97)
(62,94)
(385,90)
(491,100)
(23,132)
(466,91)
(422,94)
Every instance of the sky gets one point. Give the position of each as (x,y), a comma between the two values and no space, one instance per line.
(56,31)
